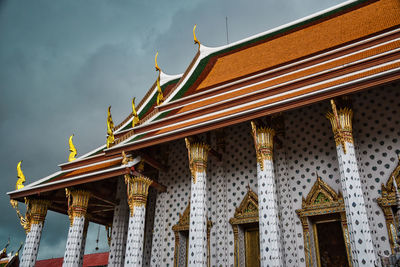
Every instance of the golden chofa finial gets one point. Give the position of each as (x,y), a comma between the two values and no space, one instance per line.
(72,149)
(110,128)
(160,96)
(196,41)
(156,64)
(21,177)
(135,119)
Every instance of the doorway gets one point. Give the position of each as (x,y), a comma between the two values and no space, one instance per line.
(330,244)
(252,249)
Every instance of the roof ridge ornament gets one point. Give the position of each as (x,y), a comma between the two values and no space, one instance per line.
(160,96)
(135,119)
(110,129)
(156,64)
(72,149)
(21,177)
(196,41)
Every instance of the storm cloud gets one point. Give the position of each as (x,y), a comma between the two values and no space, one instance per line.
(63,62)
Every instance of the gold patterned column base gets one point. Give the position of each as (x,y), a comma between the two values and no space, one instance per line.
(198,154)
(263,142)
(137,190)
(36,210)
(78,201)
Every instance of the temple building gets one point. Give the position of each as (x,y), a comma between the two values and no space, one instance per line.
(281,149)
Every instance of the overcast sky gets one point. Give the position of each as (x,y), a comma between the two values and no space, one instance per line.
(63,62)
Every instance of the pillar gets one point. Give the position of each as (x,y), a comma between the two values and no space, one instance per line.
(137,191)
(83,243)
(198,153)
(119,229)
(220,225)
(362,250)
(37,210)
(78,201)
(270,247)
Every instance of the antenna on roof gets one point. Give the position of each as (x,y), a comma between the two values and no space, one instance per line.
(226,26)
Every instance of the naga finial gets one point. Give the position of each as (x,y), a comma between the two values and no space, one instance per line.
(135,119)
(110,128)
(72,149)
(21,177)
(196,41)
(160,96)
(156,64)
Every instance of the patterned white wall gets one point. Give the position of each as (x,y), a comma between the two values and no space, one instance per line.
(170,204)
(377,138)
(308,147)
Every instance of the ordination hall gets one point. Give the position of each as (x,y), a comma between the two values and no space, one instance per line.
(281,149)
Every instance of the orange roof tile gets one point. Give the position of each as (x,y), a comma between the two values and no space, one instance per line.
(366,20)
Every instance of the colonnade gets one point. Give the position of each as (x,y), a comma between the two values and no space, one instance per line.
(127,249)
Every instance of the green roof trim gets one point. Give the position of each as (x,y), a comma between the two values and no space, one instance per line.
(136,138)
(52,178)
(154,98)
(203,63)
(151,103)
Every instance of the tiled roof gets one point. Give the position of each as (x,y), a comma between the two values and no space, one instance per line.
(315,59)
(89,260)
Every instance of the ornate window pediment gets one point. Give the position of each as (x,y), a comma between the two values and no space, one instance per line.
(245,215)
(321,199)
(388,204)
(247,212)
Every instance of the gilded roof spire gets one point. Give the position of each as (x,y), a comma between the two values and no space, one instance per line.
(110,128)
(196,41)
(21,177)
(135,119)
(72,149)
(160,96)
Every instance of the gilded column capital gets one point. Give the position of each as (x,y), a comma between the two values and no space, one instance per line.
(78,201)
(36,210)
(137,190)
(342,125)
(198,154)
(263,142)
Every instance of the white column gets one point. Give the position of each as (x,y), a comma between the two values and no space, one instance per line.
(270,246)
(362,250)
(37,210)
(119,229)
(83,243)
(78,201)
(198,153)
(220,227)
(138,189)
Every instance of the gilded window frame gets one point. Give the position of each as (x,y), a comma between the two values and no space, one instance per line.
(312,207)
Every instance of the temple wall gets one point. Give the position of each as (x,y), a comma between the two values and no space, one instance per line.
(307,147)
(170,203)
(377,139)
(310,148)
